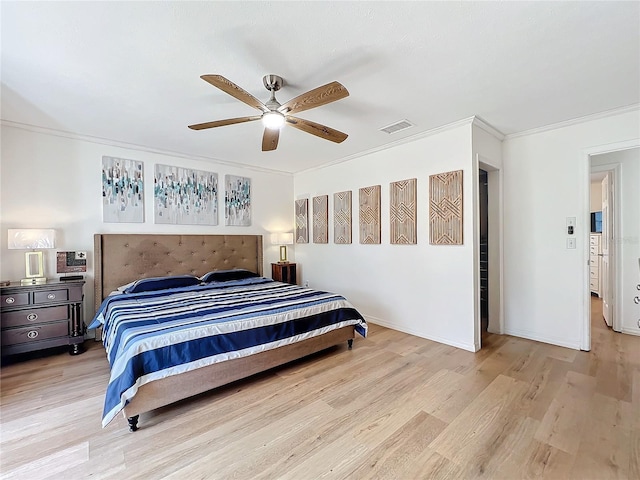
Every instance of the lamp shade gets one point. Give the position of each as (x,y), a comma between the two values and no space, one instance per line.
(282,238)
(31,238)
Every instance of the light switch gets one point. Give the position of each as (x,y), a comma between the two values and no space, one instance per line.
(571,243)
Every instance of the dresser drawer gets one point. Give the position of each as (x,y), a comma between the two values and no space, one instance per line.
(35,333)
(15,299)
(593,284)
(48,296)
(594,240)
(593,273)
(34,316)
(593,250)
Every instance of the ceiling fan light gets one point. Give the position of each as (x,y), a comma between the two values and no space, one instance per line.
(274,120)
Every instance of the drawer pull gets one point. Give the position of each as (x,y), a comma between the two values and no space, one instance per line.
(32,333)
(636,300)
(9,300)
(51,296)
(32,317)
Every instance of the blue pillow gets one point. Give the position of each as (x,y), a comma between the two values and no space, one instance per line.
(161,283)
(227,275)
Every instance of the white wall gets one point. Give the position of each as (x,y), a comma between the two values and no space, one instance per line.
(421,289)
(55,182)
(628,245)
(545,181)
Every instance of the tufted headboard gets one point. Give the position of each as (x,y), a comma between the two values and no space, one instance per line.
(123,258)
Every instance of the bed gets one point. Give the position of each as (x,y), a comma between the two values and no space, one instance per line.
(314,320)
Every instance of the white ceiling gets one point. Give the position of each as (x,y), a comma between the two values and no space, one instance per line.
(129,72)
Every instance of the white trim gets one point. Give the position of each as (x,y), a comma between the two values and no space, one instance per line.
(446,341)
(483,125)
(561,342)
(133,146)
(629,331)
(575,121)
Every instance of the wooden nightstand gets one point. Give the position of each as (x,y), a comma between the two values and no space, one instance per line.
(284,272)
(35,317)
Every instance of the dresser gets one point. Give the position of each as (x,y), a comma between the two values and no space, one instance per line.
(595,246)
(35,317)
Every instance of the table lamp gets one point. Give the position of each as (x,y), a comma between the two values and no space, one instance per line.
(282,239)
(35,239)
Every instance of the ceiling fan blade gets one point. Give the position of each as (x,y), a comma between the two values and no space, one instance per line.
(316,129)
(270,139)
(234,90)
(222,123)
(315,98)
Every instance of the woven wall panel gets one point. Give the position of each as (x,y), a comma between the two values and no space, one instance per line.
(342,217)
(370,215)
(445,208)
(403,212)
(320,219)
(302,221)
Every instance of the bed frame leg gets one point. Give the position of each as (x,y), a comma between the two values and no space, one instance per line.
(350,343)
(133,423)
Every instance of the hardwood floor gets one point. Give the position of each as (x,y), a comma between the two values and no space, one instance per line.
(395,407)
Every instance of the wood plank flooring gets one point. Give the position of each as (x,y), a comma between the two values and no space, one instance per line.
(395,407)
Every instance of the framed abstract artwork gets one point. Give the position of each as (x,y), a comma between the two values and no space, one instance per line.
(320,219)
(370,215)
(445,208)
(302,220)
(403,208)
(122,190)
(342,217)
(237,200)
(185,196)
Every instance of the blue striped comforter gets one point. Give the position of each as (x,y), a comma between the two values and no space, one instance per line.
(153,335)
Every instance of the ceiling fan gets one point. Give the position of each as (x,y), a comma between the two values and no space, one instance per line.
(275,115)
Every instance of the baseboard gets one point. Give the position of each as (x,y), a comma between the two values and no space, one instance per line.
(446,341)
(631,331)
(541,338)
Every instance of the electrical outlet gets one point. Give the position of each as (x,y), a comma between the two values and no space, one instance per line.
(571,243)
(306,283)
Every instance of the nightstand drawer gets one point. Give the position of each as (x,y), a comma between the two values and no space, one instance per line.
(34,316)
(51,296)
(34,333)
(15,300)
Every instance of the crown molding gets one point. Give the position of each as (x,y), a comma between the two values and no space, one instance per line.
(482,124)
(575,121)
(133,146)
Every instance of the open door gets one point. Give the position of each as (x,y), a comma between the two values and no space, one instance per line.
(607,250)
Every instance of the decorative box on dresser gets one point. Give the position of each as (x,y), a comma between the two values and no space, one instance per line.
(594,262)
(284,272)
(35,317)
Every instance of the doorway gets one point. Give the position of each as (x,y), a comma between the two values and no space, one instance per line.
(484,249)
(620,163)
(488,241)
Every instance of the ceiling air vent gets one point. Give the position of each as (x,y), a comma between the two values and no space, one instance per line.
(396,127)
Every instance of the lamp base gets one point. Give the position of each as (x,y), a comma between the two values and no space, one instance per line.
(33,281)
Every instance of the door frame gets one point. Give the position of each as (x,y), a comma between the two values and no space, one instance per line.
(585,336)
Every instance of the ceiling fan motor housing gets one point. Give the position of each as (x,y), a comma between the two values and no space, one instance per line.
(273,82)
